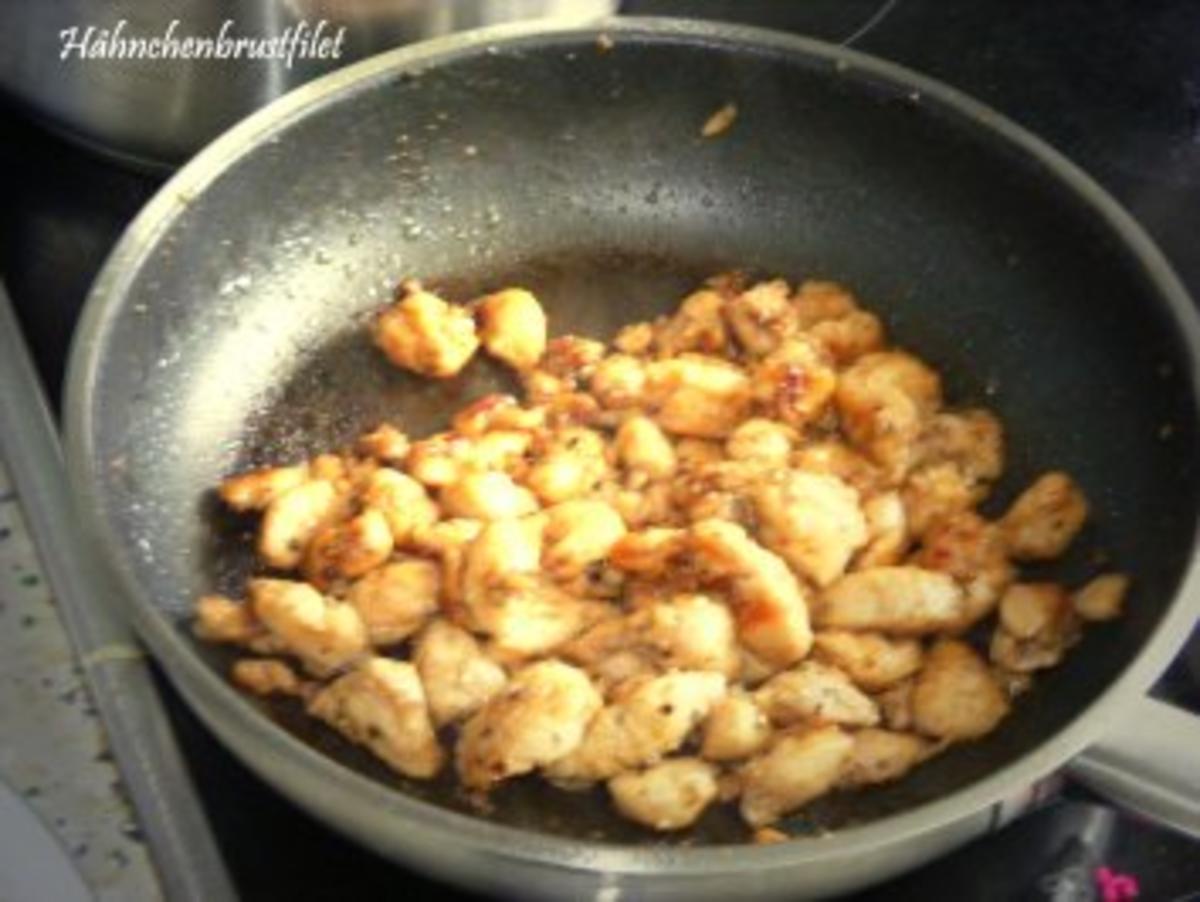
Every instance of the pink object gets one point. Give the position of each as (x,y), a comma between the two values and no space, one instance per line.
(1115,887)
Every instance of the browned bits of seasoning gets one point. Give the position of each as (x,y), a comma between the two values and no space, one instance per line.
(604,42)
(769,836)
(720,121)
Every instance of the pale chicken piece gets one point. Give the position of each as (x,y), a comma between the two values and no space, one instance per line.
(650,507)
(347,550)
(736,728)
(895,705)
(904,601)
(936,492)
(955,696)
(1042,522)
(386,444)
(619,382)
(636,338)
(572,462)
(1102,598)
(888,537)
(397,599)
(882,756)
(794,383)
(256,489)
(762,316)
(721,490)
(648,721)
(529,616)
(972,440)
(323,633)
(448,541)
(973,551)
(796,769)
(769,604)
(512,326)
(872,661)
(667,796)
(402,500)
(292,519)
(1037,625)
(761,440)
(839,459)
(487,495)
(884,400)
(698,396)
(265,676)
(458,677)
(812,691)
(423,333)
(698,325)
(578,534)
(381,705)
(817,301)
(643,447)
(535,720)
(649,551)
(502,549)
(221,619)
(496,412)
(439,459)
(811,520)
(847,338)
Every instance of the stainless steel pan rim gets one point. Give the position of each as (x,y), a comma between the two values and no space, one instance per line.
(376,812)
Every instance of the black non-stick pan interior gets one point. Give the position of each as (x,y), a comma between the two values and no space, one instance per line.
(581,173)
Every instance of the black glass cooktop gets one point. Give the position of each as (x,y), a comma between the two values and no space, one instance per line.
(1114,85)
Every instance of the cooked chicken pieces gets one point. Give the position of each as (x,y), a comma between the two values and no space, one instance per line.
(734,554)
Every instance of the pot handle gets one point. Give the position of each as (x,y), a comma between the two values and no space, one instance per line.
(1149,762)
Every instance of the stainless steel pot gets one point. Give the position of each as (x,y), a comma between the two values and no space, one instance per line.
(69,60)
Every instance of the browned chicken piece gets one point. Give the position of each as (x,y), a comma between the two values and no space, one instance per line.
(537,719)
(649,551)
(884,400)
(813,521)
(955,696)
(381,704)
(762,316)
(973,551)
(423,333)
(847,338)
(936,492)
(292,519)
(458,677)
(572,462)
(386,444)
(578,534)
(698,325)
(839,459)
(643,447)
(636,338)
(487,495)
(667,796)
(256,489)
(1037,625)
(796,769)
(904,601)
(972,440)
(698,396)
(895,705)
(794,383)
(693,453)
(573,358)
(888,537)
(1102,598)
(763,441)
(720,490)
(221,619)
(1042,522)
(396,600)
(815,692)
(530,616)
(347,550)
(736,728)
(402,501)
(650,719)
(872,661)
(817,301)
(439,459)
(501,548)
(769,604)
(619,382)
(881,756)
(324,634)
(265,676)
(496,412)
(512,326)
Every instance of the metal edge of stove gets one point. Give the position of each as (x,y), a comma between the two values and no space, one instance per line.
(114,667)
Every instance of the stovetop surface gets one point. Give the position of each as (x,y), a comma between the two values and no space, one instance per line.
(1114,85)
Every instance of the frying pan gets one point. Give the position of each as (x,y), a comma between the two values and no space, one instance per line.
(227,329)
